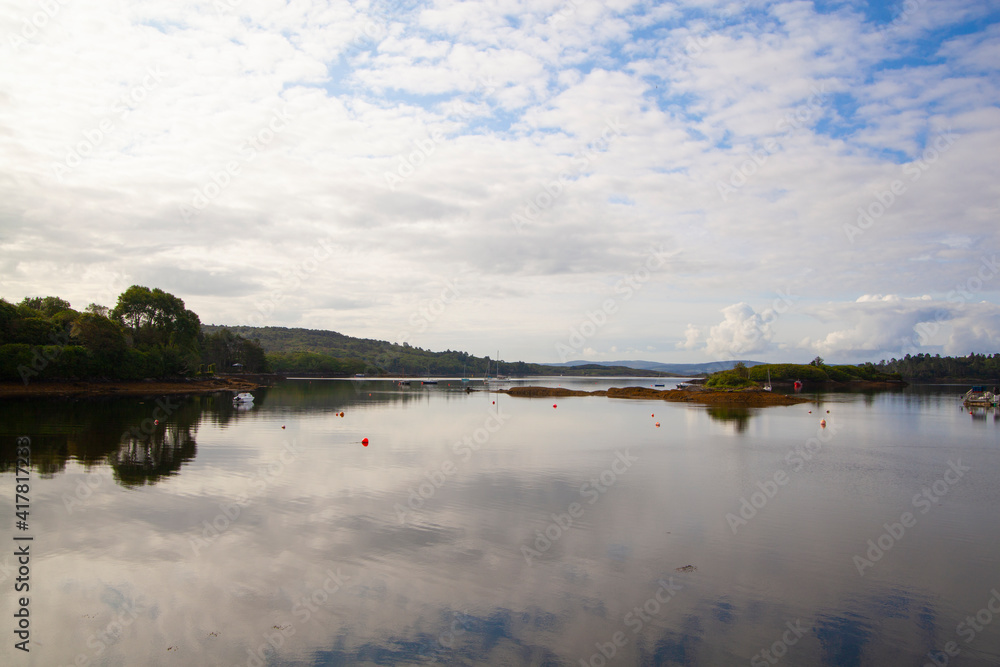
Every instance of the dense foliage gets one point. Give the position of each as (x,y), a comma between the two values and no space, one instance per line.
(927,367)
(735,378)
(148,334)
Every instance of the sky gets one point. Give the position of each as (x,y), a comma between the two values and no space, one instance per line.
(550,180)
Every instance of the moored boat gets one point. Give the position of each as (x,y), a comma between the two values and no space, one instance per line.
(979,397)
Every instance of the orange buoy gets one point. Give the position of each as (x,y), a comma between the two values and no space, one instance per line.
(341,414)
(364,442)
(822,422)
(282,426)
(657,424)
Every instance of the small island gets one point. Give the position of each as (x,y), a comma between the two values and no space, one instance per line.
(749,397)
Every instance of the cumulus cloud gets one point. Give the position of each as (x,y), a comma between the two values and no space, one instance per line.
(891,325)
(742,331)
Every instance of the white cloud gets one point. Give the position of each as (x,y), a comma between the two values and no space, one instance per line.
(700,89)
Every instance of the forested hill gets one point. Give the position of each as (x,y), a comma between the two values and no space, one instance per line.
(317,351)
(937,368)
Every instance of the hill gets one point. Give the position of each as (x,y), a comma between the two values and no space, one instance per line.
(316,351)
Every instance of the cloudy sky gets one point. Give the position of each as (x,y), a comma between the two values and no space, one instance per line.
(551,179)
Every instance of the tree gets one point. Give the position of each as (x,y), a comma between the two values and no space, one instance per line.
(157,318)
(741,370)
(102,337)
(818,361)
(47,306)
(101,311)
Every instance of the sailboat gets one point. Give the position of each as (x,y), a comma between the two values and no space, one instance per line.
(767,387)
(499,379)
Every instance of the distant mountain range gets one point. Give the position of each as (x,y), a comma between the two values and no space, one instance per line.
(680,369)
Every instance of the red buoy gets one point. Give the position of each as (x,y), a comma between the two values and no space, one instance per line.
(553,405)
(365,442)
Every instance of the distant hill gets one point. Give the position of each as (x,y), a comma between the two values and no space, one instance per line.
(678,369)
(316,351)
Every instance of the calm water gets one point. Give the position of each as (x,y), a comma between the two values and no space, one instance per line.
(515,533)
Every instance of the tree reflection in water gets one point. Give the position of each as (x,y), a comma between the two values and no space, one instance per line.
(738,416)
(144,460)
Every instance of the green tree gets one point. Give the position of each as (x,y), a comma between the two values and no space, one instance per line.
(46,305)
(100,336)
(155,317)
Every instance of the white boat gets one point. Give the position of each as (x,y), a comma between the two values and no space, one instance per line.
(243,398)
(497,381)
(767,387)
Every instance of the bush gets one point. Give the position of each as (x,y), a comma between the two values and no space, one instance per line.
(728,380)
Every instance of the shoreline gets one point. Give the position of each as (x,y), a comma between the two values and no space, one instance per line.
(98,389)
(748,398)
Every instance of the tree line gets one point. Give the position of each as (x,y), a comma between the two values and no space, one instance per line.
(935,367)
(149,333)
